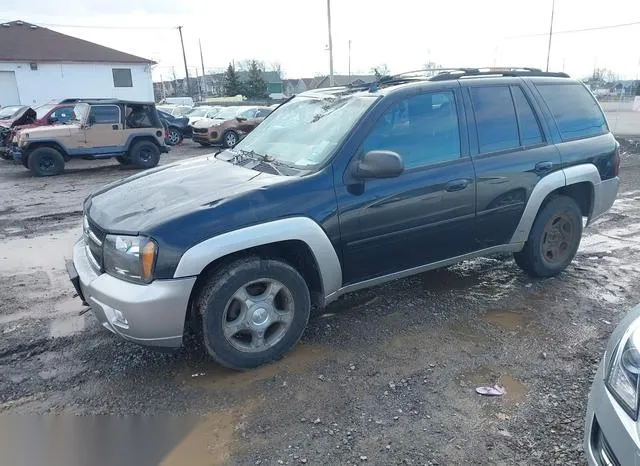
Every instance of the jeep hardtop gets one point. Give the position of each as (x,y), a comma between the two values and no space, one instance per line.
(129,131)
(341,189)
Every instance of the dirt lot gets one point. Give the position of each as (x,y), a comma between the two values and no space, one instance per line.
(384,376)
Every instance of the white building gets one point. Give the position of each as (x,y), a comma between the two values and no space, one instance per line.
(38,65)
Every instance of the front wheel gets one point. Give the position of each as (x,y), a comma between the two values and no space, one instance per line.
(144,154)
(553,240)
(230,139)
(45,161)
(174,136)
(253,311)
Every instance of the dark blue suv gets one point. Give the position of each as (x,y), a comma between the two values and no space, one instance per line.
(341,189)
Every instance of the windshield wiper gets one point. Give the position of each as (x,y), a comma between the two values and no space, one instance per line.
(266,159)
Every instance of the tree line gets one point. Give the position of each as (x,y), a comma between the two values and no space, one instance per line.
(255,87)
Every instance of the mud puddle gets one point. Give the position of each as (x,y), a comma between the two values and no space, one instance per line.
(44,252)
(508,320)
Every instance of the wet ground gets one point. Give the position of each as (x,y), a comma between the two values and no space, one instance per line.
(385,376)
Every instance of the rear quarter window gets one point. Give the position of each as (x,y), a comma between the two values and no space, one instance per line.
(574,109)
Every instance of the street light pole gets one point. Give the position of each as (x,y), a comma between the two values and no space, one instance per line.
(553,5)
(349,58)
(331,81)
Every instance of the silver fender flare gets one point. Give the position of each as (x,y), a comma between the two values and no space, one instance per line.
(566,177)
(195,259)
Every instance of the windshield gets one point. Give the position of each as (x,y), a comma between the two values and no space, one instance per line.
(198,112)
(7,112)
(228,113)
(80,111)
(305,131)
(42,110)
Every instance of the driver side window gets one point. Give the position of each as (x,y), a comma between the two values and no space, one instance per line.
(423,129)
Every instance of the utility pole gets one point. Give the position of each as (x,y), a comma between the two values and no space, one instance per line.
(204,82)
(349,58)
(184,56)
(331,81)
(553,5)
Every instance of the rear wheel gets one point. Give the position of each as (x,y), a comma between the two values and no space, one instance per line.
(253,311)
(553,240)
(45,161)
(144,154)
(174,136)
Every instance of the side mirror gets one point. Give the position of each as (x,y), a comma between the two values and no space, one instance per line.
(52,120)
(377,164)
(241,119)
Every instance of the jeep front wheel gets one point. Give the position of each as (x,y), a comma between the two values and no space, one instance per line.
(45,161)
(253,311)
(144,154)
(553,240)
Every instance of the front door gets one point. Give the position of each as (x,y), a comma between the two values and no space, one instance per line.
(424,215)
(511,155)
(104,130)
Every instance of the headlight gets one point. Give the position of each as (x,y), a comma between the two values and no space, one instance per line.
(131,258)
(623,376)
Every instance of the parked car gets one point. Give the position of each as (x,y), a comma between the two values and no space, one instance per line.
(611,433)
(343,189)
(185,101)
(129,131)
(229,126)
(175,110)
(200,113)
(177,127)
(11,117)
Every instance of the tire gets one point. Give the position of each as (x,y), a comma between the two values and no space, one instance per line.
(174,136)
(45,161)
(144,154)
(231,329)
(554,238)
(123,160)
(204,144)
(230,139)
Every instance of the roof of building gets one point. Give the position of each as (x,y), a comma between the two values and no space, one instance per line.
(25,42)
(345,80)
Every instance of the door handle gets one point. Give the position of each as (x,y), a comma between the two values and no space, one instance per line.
(115,127)
(457,185)
(543,167)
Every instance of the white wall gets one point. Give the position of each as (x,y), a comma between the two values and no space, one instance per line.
(84,80)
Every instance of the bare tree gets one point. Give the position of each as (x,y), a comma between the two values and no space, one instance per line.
(381,70)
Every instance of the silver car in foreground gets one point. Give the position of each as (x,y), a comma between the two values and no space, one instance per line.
(612,431)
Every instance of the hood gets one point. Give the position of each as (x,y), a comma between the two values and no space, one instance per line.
(208,122)
(153,197)
(26,115)
(42,132)
(193,120)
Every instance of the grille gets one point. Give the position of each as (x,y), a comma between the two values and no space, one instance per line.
(200,130)
(93,237)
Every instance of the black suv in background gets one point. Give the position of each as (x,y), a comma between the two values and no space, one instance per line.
(341,189)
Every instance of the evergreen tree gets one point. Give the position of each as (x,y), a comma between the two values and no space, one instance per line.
(256,86)
(231,82)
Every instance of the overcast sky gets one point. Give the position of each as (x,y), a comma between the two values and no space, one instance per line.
(403,34)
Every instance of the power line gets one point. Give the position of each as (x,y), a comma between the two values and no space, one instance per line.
(571,31)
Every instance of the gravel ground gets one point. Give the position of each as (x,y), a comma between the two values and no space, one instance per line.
(384,376)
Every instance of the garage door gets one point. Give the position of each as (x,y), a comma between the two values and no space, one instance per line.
(8,89)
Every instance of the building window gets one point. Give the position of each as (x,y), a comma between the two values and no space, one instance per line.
(122,77)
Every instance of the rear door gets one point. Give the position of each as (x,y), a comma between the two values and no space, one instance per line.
(427,213)
(511,153)
(104,132)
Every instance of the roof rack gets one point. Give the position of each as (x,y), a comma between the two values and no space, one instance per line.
(457,73)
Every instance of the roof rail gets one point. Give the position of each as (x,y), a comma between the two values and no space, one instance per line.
(445,75)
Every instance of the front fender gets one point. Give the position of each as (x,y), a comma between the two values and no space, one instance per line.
(195,259)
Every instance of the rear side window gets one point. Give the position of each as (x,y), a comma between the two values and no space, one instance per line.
(530,134)
(495,118)
(575,110)
(104,114)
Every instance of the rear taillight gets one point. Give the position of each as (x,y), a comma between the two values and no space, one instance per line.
(616,160)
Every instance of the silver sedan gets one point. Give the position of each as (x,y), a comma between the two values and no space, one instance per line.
(612,430)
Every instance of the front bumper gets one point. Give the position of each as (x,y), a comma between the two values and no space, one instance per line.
(604,195)
(152,315)
(610,436)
